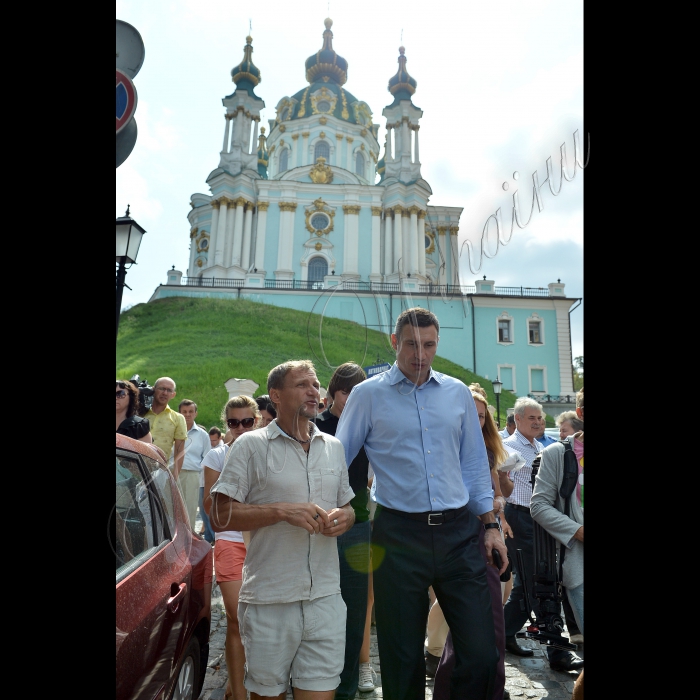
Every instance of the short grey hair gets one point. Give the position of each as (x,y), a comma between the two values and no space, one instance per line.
(276,377)
(571,417)
(523,403)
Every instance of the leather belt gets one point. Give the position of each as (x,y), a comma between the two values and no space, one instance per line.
(429,517)
(523,508)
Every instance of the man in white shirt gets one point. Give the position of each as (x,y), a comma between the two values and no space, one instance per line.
(197,444)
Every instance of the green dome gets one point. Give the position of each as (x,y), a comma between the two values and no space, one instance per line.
(246,74)
(402,85)
(325,63)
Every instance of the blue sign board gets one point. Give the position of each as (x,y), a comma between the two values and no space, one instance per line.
(373,370)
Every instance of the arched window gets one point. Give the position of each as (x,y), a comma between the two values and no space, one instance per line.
(318,269)
(284,158)
(360,164)
(322,149)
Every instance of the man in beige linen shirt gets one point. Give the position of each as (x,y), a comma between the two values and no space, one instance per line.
(288,484)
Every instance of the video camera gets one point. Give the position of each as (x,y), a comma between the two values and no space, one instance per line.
(145,394)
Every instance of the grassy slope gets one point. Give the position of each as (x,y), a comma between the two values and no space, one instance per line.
(201,343)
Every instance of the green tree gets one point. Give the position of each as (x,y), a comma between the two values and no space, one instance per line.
(578,372)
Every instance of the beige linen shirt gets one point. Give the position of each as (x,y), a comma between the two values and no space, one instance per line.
(285,563)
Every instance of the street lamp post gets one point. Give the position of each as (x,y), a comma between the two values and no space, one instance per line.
(129,235)
(497,386)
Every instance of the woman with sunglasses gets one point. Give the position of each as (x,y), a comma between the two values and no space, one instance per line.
(128,422)
(241,414)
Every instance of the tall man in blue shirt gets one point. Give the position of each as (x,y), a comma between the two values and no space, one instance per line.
(433,492)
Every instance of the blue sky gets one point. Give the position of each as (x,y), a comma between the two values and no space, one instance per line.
(500,86)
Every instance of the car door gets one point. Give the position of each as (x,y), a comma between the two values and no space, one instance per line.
(152,581)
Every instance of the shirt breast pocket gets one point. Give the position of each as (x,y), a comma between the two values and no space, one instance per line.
(330,483)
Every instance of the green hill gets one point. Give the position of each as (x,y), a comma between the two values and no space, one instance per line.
(201,343)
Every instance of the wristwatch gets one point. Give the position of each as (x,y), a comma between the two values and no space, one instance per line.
(488,526)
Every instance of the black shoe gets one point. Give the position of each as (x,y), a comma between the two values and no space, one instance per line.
(506,695)
(514,648)
(568,663)
(431,664)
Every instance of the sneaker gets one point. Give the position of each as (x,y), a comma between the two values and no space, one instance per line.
(576,639)
(368,678)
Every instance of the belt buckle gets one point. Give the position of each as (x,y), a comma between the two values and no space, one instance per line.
(436,515)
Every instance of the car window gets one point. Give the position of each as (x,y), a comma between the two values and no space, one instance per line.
(137,515)
(161,481)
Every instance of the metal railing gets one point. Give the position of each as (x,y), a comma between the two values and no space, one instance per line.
(552,398)
(360,286)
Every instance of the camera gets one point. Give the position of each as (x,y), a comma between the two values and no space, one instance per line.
(145,394)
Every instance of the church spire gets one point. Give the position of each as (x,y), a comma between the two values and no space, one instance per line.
(325,64)
(402,85)
(246,74)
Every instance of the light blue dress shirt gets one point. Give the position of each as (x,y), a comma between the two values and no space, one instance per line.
(197,444)
(424,443)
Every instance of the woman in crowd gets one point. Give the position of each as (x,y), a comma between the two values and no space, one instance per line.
(497,455)
(568,424)
(128,422)
(241,414)
(267,410)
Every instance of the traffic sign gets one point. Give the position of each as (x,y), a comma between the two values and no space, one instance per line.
(126,99)
(373,370)
(130,49)
(126,140)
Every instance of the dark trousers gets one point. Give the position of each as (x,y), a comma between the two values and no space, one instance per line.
(353,556)
(515,612)
(441,689)
(408,557)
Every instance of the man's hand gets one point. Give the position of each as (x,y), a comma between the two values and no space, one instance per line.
(340,521)
(578,535)
(311,517)
(493,539)
(505,527)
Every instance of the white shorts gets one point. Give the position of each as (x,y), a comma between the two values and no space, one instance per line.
(304,639)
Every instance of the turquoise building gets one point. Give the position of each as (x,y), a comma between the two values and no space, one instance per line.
(310,213)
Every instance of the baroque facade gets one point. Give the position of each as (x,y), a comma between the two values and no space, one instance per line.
(312,205)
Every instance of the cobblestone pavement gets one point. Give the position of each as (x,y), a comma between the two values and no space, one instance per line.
(526,677)
(529,677)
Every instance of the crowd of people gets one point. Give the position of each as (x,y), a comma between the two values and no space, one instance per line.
(317,511)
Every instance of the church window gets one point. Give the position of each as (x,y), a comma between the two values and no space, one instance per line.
(360,164)
(319,221)
(538,380)
(204,244)
(284,158)
(505,331)
(322,149)
(427,241)
(318,269)
(534,330)
(323,106)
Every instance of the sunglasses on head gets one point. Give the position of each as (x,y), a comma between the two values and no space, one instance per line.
(246,422)
(121,394)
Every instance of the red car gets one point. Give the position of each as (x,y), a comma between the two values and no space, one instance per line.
(164,574)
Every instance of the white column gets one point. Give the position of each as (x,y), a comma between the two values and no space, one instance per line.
(375,269)
(212,233)
(405,139)
(389,144)
(406,238)
(286,238)
(350,166)
(421,240)
(416,156)
(247,226)
(294,151)
(455,254)
(260,235)
(236,140)
(228,241)
(413,239)
(305,149)
(226,132)
(221,233)
(351,239)
(443,241)
(193,250)
(254,147)
(238,232)
(398,240)
(388,235)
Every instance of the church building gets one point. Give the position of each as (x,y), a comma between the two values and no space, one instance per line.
(311,213)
